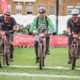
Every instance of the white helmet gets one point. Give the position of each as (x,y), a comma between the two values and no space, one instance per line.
(41,9)
(75,11)
(7,12)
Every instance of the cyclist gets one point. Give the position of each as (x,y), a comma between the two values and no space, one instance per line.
(73,25)
(42,23)
(8,23)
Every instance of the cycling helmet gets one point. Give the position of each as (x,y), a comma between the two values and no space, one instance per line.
(7,12)
(75,11)
(41,9)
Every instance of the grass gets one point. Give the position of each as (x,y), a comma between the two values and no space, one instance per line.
(31,78)
(26,57)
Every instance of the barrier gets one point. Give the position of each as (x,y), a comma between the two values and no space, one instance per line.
(58,41)
(28,40)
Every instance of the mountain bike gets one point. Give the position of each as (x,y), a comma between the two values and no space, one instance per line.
(41,49)
(4,50)
(75,50)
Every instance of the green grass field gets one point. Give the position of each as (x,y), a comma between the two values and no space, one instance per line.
(26,57)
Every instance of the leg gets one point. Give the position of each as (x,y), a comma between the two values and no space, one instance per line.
(69,54)
(10,39)
(47,44)
(11,52)
(78,54)
(36,51)
(69,49)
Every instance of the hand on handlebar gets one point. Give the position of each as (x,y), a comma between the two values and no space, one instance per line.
(7,33)
(30,33)
(69,34)
(73,34)
(54,33)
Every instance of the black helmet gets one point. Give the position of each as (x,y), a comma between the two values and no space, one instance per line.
(41,9)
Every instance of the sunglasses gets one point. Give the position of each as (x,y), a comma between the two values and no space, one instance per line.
(75,14)
(7,14)
(41,13)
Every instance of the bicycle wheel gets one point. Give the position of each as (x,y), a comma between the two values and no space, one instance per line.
(43,54)
(74,52)
(2,61)
(43,61)
(2,57)
(7,54)
(41,58)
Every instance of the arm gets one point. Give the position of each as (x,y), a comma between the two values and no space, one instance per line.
(15,25)
(33,25)
(51,24)
(69,31)
(68,26)
(0,22)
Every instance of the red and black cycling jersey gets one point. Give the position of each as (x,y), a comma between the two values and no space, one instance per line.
(74,25)
(7,25)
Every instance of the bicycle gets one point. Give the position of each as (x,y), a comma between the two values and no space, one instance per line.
(41,49)
(75,50)
(4,50)
(40,37)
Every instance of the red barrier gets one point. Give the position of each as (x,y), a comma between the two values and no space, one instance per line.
(23,40)
(58,41)
(27,40)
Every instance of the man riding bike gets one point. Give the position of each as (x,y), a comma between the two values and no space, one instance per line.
(73,25)
(42,23)
(7,24)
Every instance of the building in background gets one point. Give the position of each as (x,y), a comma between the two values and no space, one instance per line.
(25,7)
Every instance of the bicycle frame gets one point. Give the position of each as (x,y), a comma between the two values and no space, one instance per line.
(41,44)
(75,49)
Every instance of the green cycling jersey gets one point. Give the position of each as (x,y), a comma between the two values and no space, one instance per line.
(42,21)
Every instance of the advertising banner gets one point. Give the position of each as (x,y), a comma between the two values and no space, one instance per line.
(28,40)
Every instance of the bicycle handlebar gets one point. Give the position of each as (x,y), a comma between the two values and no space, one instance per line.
(31,33)
(6,32)
(74,35)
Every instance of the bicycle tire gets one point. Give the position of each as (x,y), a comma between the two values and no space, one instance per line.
(43,61)
(74,52)
(2,60)
(4,54)
(41,58)
(7,55)
(43,54)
